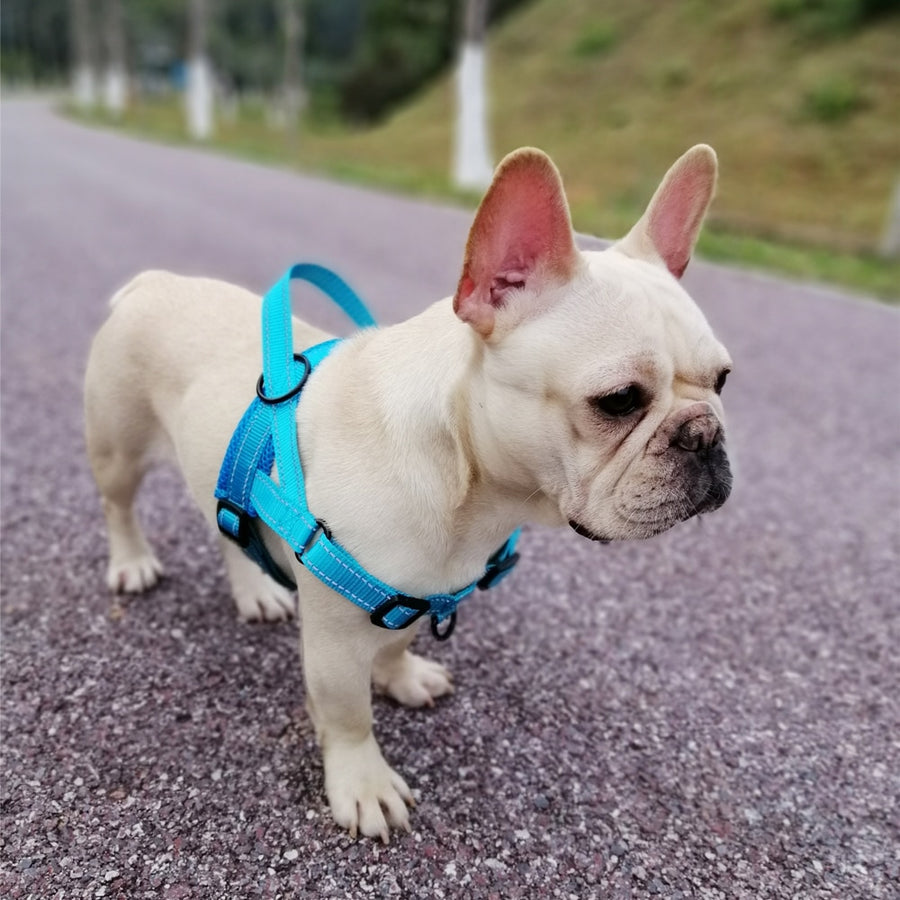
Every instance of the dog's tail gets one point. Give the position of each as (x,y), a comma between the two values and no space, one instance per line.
(119,294)
(132,285)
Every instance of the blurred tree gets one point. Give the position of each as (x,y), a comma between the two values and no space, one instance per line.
(830,18)
(199,73)
(115,77)
(358,57)
(242,44)
(890,239)
(156,34)
(472,165)
(34,41)
(83,54)
(401,45)
(293,87)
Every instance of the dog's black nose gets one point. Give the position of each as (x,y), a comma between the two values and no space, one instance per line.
(702,433)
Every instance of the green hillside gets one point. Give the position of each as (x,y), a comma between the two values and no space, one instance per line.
(807,126)
(802,106)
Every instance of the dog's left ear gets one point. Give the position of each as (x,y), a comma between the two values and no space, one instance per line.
(521,240)
(668,230)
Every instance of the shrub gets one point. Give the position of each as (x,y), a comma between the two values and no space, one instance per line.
(833,100)
(830,18)
(597,40)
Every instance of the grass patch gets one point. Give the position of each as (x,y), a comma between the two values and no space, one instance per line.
(830,19)
(597,39)
(345,154)
(868,273)
(833,100)
(673,74)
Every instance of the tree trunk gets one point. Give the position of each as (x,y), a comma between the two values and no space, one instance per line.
(890,241)
(472,166)
(84,77)
(116,78)
(293,88)
(199,73)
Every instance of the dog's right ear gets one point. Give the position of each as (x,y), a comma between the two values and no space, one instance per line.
(520,240)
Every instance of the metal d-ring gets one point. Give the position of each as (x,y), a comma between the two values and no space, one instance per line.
(307,368)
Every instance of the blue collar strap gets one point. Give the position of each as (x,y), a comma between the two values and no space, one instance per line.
(268,432)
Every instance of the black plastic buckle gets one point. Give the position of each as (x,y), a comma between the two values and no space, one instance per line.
(399,601)
(496,571)
(321,528)
(245,529)
(299,357)
(444,635)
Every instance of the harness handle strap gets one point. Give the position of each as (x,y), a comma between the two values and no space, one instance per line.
(278,349)
(282,371)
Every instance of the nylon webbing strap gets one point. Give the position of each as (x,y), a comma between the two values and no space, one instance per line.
(278,335)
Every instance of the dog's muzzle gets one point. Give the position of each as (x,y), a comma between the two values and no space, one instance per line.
(694,478)
(700,445)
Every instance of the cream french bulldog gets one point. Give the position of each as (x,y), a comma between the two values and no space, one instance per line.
(555,387)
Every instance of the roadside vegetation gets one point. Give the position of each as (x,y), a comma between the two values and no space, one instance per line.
(799,98)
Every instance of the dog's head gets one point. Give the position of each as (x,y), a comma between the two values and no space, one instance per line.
(602,378)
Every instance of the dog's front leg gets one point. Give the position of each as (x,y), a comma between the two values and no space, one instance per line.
(339,647)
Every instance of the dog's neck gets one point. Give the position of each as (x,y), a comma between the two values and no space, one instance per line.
(427,490)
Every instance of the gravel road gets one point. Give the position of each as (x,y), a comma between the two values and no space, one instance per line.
(714,713)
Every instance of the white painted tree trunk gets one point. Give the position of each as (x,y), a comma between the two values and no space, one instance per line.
(199,98)
(84,87)
(472,167)
(115,79)
(83,54)
(890,241)
(115,90)
(293,89)
(199,76)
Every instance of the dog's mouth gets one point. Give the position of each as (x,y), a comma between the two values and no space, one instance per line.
(578,528)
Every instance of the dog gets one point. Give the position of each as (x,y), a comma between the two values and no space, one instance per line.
(556,387)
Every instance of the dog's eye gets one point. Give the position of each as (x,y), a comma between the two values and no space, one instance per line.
(720,381)
(622,402)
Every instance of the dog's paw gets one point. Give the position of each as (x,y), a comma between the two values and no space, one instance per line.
(413,680)
(131,576)
(263,600)
(366,795)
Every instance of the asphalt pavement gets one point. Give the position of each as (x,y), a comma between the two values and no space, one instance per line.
(714,713)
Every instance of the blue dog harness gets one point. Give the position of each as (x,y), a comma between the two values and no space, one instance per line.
(267,434)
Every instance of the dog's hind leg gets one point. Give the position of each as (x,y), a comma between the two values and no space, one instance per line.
(256,595)
(123,441)
(407,677)
(133,567)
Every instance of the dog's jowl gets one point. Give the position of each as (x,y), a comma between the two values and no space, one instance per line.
(555,386)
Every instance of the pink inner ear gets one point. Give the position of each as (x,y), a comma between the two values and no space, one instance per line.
(522,228)
(504,282)
(525,225)
(677,215)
